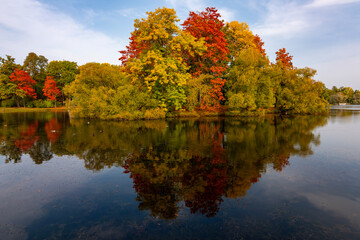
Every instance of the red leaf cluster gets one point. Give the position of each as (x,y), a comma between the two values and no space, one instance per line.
(259,44)
(207,25)
(50,89)
(24,82)
(134,49)
(284,58)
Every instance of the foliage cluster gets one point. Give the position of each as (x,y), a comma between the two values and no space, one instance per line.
(342,95)
(35,79)
(202,64)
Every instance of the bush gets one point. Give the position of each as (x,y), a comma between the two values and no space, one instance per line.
(8,103)
(157,113)
(43,103)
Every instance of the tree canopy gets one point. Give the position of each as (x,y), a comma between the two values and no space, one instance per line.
(201,65)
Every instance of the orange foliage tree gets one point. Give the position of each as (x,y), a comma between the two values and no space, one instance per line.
(207,25)
(23,82)
(51,91)
(284,58)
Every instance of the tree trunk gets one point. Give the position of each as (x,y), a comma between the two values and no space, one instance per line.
(63,98)
(200,96)
(55,103)
(24,102)
(17,101)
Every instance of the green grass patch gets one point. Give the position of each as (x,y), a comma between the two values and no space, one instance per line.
(18,110)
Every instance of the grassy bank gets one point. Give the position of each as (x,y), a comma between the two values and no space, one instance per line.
(16,110)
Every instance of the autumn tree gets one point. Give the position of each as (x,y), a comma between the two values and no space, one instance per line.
(338,98)
(356,98)
(8,89)
(8,65)
(249,85)
(64,73)
(208,26)
(35,65)
(104,91)
(24,85)
(249,82)
(239,37)
(154,57)
(51,91)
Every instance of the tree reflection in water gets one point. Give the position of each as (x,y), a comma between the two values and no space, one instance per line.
(176,164)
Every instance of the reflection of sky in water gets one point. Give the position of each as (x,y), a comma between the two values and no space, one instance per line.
(315,195)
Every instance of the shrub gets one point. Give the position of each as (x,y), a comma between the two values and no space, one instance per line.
(42,103)
(8,103)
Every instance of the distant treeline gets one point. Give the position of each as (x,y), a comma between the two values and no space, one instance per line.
(207,65)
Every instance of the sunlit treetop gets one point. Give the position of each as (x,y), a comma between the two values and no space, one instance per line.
(239,37)
(207,25)
(259,44)
(157,29)
(284,58)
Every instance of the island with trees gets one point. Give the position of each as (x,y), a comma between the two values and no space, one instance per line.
(200,67)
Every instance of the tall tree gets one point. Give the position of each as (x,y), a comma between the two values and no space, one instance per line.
(24,85)
(208,26)
(36,65)
(7,67)
(239,38)
(51,91)
(154,57)
(64,73)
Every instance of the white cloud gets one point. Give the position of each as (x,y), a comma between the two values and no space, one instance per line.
(192,5)
(325,3)
(131,13)
(226,14)
(30,26)
(308,32)
(283,19)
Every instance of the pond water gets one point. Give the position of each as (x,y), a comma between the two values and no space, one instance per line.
(249,178)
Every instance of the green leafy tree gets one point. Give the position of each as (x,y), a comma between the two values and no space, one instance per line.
(356,98)
(104,91)
(35,65)
(64,73)
(8,89)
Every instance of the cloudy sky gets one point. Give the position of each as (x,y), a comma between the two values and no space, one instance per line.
(321,34)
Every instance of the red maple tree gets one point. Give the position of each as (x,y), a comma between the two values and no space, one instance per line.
(207,25)
(51,91)
(284,58)
(24,82)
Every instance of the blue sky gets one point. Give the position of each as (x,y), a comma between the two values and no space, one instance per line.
(322,34)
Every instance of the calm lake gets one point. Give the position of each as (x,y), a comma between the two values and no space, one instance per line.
(248,178)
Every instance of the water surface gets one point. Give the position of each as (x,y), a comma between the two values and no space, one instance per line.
(249,178)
